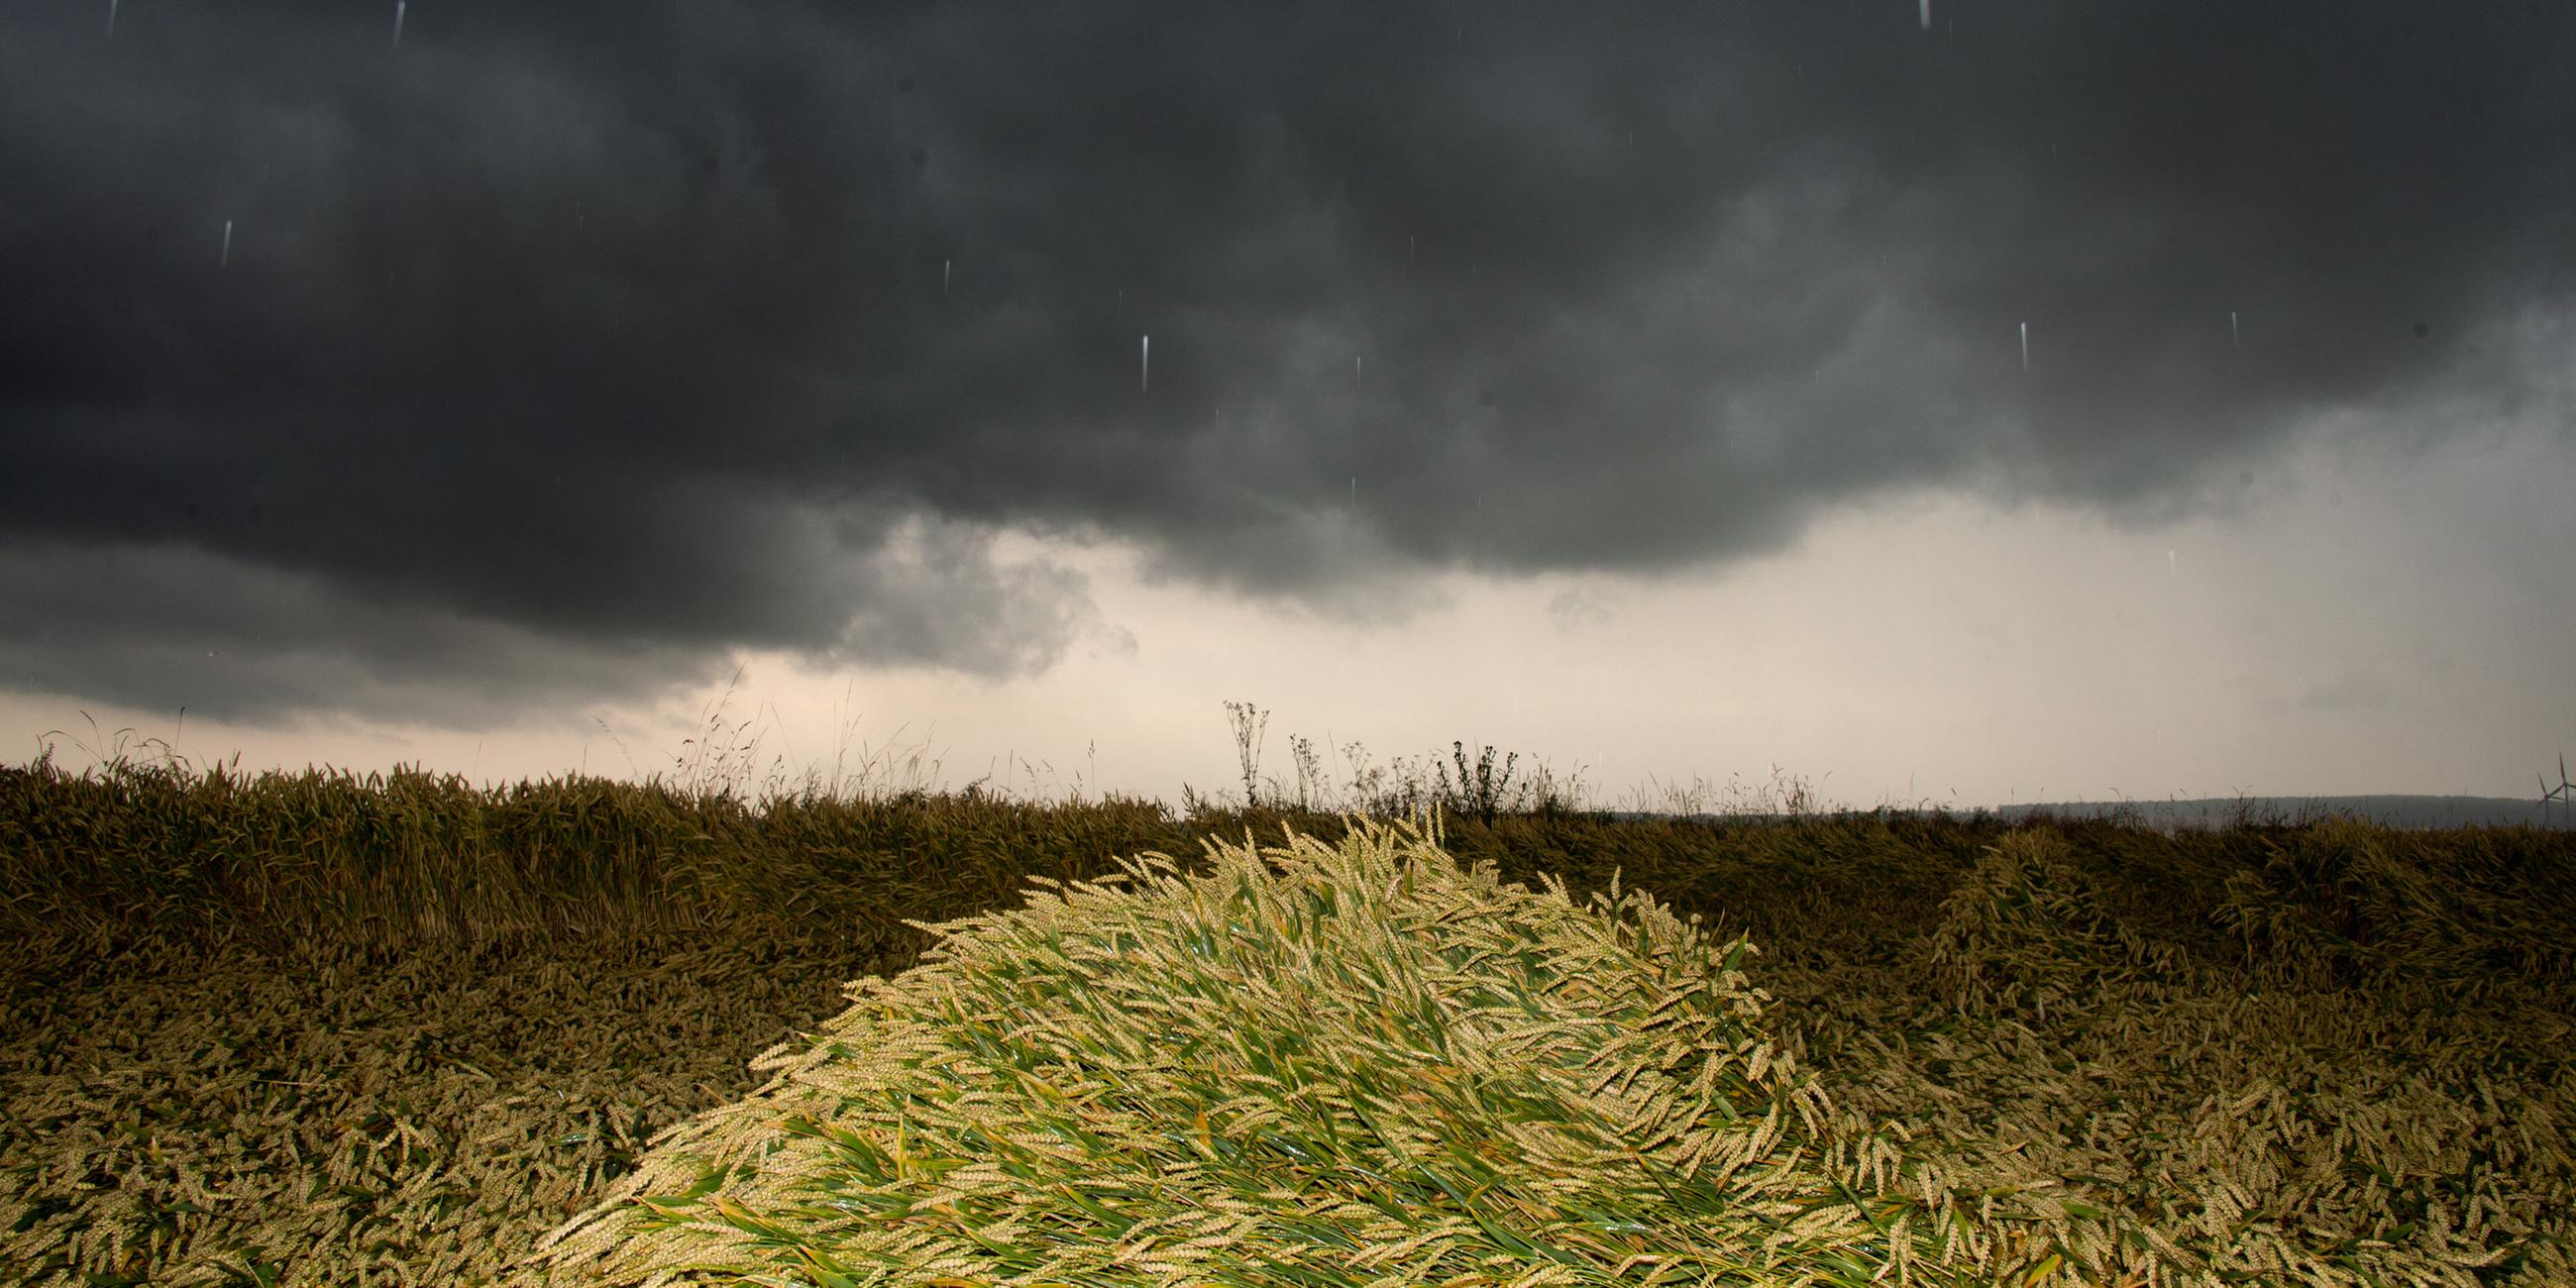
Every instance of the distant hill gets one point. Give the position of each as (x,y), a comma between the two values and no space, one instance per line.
(2218,812)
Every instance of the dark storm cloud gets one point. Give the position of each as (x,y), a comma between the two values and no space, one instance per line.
(563,345)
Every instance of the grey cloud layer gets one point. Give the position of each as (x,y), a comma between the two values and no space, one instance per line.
(633,332)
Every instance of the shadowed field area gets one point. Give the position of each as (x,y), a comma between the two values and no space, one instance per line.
(326,1030)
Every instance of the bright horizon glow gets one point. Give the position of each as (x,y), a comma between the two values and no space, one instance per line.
(1823,694)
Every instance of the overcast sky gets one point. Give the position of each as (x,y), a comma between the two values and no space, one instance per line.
(1979,403)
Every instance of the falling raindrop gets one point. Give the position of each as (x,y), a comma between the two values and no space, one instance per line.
(228,245)
(398,20)
(2025,346)
(1927,15)
(1145,366)
(1355,495)
(111,17)
(1355,367)
(2169,563)
(2231,328)
(944,266)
